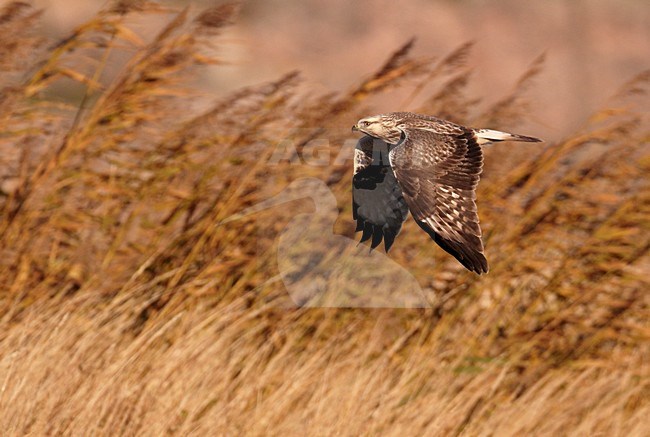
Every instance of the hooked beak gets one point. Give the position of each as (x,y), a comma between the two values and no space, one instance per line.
(355,128)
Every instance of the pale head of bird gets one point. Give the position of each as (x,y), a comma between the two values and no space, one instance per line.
(383,126)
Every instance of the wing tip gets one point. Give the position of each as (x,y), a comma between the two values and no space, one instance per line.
(472,259)
(367,231)
(376,234)
(389,239)
(370,231)
(482,267)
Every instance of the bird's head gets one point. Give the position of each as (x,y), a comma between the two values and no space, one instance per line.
(384,126)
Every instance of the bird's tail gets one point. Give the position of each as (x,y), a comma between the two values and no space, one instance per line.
(485,136)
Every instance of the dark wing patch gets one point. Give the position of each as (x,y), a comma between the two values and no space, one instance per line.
(438,173)
(378,205)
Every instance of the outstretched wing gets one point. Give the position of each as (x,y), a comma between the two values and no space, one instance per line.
(378,205)
(438,174)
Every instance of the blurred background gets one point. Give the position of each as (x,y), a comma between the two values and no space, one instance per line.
(591,45)
(161,224)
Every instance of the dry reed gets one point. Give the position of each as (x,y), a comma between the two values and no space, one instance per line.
(128,309)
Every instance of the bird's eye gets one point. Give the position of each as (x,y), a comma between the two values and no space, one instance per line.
(365,123)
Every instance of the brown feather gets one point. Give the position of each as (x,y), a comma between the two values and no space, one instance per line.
(438,173)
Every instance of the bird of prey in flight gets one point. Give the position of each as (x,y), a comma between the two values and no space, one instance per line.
(428,166)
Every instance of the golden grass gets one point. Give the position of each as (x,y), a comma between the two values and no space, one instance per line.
(128,309)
